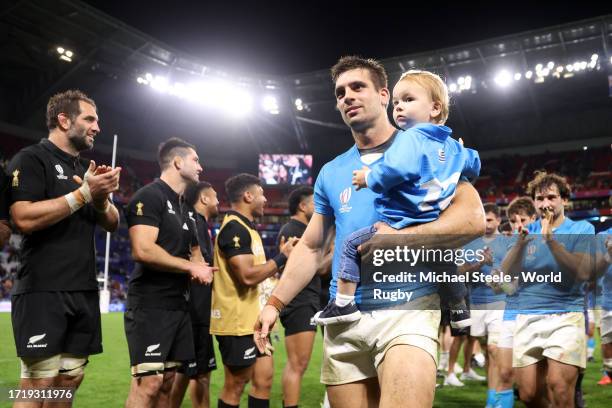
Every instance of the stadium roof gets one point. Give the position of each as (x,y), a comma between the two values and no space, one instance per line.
(108,59)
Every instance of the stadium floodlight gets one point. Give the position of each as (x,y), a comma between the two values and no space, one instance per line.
(461,80)
(528,74)
(160,83)
(517,76)
(60,50)
(468,82)
(270,105)
(560,68)
(539,67)
(452,87)
(592,64)
(503,78)
(148,77)
(569,67)
(68,53)
(594,57)
(65,58)
(545,72)
(550,65)
(299,104)
(583,65)
(585,148)
(610,60)
(141,80)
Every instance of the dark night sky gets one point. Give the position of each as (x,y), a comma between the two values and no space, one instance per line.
(293,37)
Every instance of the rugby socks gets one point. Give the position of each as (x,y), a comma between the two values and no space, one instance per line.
(505,399)
(258,403)
(590,347)
(343,300)
(491,398)
(222,404)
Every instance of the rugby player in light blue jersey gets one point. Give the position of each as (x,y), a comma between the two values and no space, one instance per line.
(416,180)
(604,269)
(549,339)
(520,212)
(364,360)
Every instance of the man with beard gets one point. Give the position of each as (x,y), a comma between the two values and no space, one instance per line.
(165,249)
(56,200)
(202,205)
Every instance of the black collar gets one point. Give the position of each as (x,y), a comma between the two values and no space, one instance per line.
(243,218)
(167,190)
(62,155)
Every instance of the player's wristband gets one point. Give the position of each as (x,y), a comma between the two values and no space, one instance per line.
(275,303)
(75,200)
(280,260)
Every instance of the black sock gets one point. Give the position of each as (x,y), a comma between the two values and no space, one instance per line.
(258,403)
(289,406)
(223,404)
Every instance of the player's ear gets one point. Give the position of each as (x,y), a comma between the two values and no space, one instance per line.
(177,162)
(384,97)
(63,121)
(248,196)
(436,109)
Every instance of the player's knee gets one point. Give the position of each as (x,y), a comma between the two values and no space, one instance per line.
(299,365)
(41,367)
(203,380)
(527,393)
(506,375)
(558,385)
(236,384)
(149,378)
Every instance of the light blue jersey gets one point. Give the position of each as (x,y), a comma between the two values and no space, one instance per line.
(553,297)
(417,176)
(481,293)
(512,301)
(606,280)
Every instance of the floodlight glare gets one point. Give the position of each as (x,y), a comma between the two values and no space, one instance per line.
(528,74)
(503,78)
(60,50)
(517,76)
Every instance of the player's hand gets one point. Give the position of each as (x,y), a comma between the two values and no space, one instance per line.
(488,256)
(359,178)
(287,245)
(99,183)
(201,272)
(547,220)
(264,324)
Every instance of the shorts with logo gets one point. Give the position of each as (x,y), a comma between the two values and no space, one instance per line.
(299,319)
(204,351)
(606,326)
(486,320)
(238,351)
(557,336)
(158,335)
(353,351)
(50,323)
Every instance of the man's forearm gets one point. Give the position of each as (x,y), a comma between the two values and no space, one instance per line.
(578,264)
(5,232)
(299,271)
(108,220)
(156,257)
(35,216)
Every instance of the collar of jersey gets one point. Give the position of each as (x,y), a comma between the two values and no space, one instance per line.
(53,149)
(168,190)
(435,132)
(242,217)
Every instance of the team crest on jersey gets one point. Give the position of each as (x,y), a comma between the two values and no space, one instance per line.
(441,156)
(15,178)
(531,250)
(236,240)
(60,172)
(191,216)
(345,197)
(139,208)
(170,209)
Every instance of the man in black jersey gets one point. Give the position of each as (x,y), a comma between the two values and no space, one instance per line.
(296,316)
(164,246)
(202,205)
(5,229)
(56,200)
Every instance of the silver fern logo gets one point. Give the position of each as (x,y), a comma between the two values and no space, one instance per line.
(33,341)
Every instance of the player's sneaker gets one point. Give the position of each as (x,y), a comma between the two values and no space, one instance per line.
(605,380)
(478,360)
(472,376)
(452,381)
(334,314)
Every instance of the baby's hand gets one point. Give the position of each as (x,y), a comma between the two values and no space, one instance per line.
(359,178)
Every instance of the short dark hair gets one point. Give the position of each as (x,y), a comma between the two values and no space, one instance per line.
(492,208)
(193,191)
(505,227)
(521,205)
(297,196)
(68,103)
(544,180)
(350,62)
(170,148)
(236,186)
